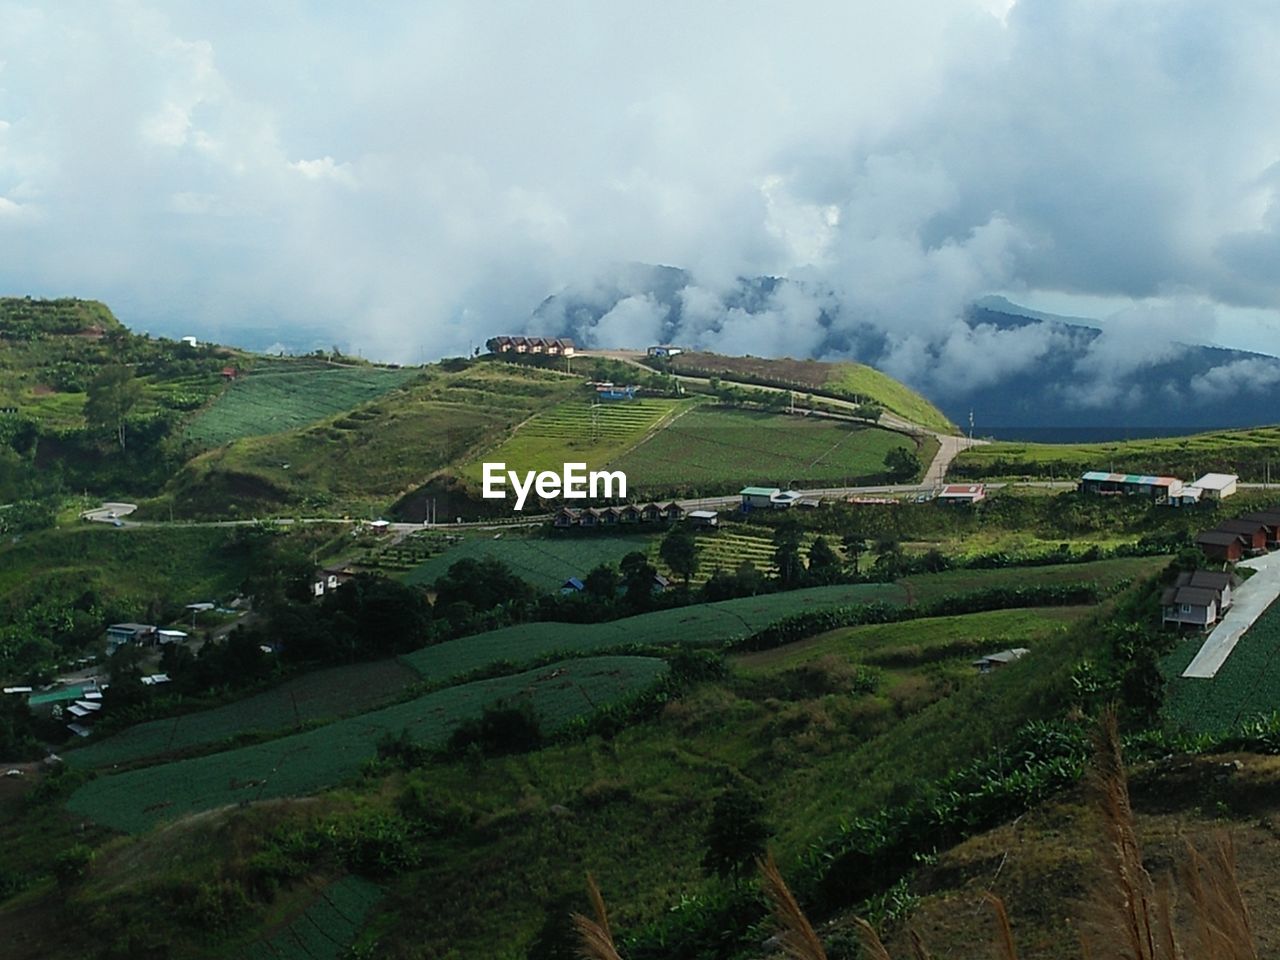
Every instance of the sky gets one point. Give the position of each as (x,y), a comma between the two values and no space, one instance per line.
(407,179)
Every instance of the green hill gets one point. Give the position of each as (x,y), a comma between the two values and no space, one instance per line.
(1253,454)
(854,382)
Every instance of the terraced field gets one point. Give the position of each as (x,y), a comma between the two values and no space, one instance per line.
(280,400)
(919,642)
(1246,686)
(544,561)
(732,545)
(709,625)
(326,929)
(303,763)
(578,430)
(717,449)
(319,696)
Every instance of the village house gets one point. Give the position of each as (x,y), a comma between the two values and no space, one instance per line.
(1270,520)
(1254,534)
(1217,486)
(704,519)
(1222,546)
(1197,598)
(1156,489)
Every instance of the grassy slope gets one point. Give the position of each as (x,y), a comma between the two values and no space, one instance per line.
(320,696)
(572,432)
(306,762)
(545,562)
(130,565)
(716,449)
(365,457)
(274,401)
(849,380)
(1244,452)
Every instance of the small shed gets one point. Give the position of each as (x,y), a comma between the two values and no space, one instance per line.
(1253,532)
(704,519)
(572,585)
(1269,519)
(171,636)
(962,493)
(1003,658)
(1217,486)
(754,498)
(1219,545)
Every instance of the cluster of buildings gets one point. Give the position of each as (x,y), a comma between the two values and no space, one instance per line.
(547,346)
(664,350)
(774,498)
(142,634)
(1168,490)
(1246,536)
(633,513)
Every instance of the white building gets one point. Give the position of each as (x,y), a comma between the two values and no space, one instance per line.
(1217,486)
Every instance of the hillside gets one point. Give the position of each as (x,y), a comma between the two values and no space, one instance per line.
(844,380)
(1252,454)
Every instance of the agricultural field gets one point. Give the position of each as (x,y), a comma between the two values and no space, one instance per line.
(1247,453)
(928,587)
(732,544)
(303,763)
(544,561)
(715,449)
(917,643)
(326,929)
(853,381)
(707,625)
(1246,686)
(276,401)
(317,697)
(582,431)
(360,459)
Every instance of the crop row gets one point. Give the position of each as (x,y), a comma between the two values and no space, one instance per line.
(327,928)
(303,763)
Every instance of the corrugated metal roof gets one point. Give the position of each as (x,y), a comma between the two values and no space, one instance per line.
(1135,478)
(759,491)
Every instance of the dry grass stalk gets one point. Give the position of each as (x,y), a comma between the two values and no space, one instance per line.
(1005,948)
(917,946)
(1124,914)
(798,939)
(1218,911)
(595,936)
(870,940)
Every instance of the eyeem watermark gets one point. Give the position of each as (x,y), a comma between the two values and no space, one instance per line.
(574,482)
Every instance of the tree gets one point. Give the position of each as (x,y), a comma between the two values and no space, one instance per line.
(855,545)
(679,551)
(637,579)
(737,832)
(602,582)
(786,552)
(902,464)
(111,396)
(824,564)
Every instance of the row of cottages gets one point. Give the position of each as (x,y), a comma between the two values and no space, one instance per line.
(632,513)
(549,346)
(1250,535)
(1198,598)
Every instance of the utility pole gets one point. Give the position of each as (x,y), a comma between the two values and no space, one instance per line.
(971,425)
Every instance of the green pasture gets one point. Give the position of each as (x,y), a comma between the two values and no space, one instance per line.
(303,763)
(717,449)
(326,929)
(544,561)
(316,697)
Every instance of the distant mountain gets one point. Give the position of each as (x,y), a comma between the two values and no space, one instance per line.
(1023,373)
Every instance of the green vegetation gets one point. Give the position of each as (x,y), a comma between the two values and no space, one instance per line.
(580,430)
(323,757)
(916,643)
(847,381)
(269,400)
(1245,687)
(708,625)
(326,929)
(1248,453)
(317,697)
(715,449)
(361,460)
(546,562)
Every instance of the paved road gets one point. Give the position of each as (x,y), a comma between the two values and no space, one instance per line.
(1248,602)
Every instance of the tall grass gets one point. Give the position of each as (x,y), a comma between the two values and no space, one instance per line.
(1127,916)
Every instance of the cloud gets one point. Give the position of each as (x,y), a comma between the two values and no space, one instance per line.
(410,179)
(1254,374)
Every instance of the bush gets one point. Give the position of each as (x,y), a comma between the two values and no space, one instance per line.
(502,728)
